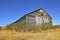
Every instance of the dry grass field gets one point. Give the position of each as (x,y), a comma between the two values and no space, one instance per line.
(50,34)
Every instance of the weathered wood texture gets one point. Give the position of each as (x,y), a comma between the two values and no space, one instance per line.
(39,16)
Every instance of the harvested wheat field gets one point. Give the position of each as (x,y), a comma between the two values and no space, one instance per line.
(51,34)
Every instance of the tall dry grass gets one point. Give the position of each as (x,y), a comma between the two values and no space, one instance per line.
(50,34)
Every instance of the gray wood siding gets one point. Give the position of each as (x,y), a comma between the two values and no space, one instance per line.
(36,17)
(30,20)
(23,21)
(39,20)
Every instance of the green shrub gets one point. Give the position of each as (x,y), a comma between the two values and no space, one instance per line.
(15,26)
(20,27)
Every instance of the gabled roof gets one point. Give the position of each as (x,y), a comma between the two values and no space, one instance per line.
(33,12)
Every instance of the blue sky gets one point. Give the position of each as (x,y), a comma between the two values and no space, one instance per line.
(11,10)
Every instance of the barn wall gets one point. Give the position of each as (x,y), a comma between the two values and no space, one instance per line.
(39,20)
(30,20)
(37,17)
(23,20)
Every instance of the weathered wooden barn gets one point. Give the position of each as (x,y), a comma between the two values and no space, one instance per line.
(37,17)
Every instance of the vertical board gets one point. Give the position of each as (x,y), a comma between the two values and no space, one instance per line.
(39,20)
